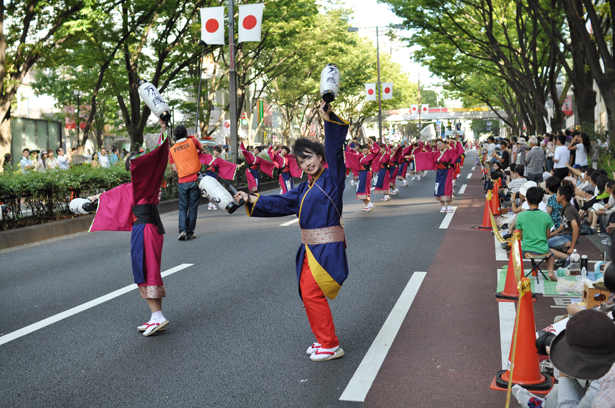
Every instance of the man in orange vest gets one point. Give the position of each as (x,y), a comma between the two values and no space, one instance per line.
(184,156)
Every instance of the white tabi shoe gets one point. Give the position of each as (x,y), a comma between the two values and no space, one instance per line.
(368,207)
(385,198)
(144,327)
(325,354)
(312,349)
(443,209)
(154,327)
(394,192)
(404,183)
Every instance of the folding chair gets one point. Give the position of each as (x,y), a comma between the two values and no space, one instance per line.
(536,261)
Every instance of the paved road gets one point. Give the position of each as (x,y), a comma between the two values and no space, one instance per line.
(238,331)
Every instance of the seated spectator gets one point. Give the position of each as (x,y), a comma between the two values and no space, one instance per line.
(535,227)
(579,355)
(594,207)
(567,235)
(516,179)
(554,209)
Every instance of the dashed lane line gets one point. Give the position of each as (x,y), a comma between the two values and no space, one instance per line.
(363,378)
(462,189)
(447,219)
(286,224)
(469,176)
(78,309)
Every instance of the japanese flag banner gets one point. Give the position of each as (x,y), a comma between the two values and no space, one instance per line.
(414,109)
(212,25)
(370,92)
(250,19)
(424,108)
(387,90)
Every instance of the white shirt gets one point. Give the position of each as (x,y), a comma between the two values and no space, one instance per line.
(104,161)
(490,149)
(562,155)
(63,162)
(581,156)
(541,206)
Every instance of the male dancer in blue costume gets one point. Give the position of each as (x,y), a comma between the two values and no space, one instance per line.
(321,261)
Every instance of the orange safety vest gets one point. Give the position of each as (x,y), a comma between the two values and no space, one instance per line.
(186,158)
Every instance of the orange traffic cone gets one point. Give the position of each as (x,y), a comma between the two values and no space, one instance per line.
(510,292)
(495,201)
(523,353)
(486,225)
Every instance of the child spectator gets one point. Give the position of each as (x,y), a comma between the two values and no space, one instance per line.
(554,209)
(568,232)
(535,227)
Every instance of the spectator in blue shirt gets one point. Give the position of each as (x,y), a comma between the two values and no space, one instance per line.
(25,163)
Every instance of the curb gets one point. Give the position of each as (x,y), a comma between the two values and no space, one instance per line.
(41,232)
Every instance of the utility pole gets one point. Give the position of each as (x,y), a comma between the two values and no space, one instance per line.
(420,107)
(379,88)
(232,83)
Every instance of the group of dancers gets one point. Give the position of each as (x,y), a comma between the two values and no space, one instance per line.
(321,262)
(377,167)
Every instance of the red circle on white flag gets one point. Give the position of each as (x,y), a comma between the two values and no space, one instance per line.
(414,108)
(387,90)
(227,124)
(249,22)
(212,25)
(370,91)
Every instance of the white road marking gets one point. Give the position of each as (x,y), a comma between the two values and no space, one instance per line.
(473,168)
(500,253)
(362,380)
(507,324)
(286,224)
(78,309)
(462,189)
(469,176)
(447,219)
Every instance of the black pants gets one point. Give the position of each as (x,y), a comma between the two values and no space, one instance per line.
(561,173)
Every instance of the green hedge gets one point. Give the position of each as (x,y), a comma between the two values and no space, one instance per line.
(47,194)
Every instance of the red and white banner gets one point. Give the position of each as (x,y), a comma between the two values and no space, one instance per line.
(387,90)
(250,20)
(370,92)
(212,25)
(226,125)
(414,109)
(567,105)
(424,108)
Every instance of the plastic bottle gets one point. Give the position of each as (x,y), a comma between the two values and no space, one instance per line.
(583,273)
(575,263)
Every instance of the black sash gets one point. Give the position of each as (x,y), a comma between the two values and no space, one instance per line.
(148,214)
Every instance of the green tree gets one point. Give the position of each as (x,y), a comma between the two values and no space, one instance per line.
(29,32)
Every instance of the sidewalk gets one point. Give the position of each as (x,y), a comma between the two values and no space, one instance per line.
(449,346)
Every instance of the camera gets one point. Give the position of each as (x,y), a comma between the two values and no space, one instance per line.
(544,340)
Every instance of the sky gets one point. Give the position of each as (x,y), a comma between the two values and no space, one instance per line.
(370,13)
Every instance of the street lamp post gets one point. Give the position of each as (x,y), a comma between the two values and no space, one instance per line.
(379,85)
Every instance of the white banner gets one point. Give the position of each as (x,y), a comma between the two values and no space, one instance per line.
(250,20)
(387,90)
(212,25)
(370,92)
